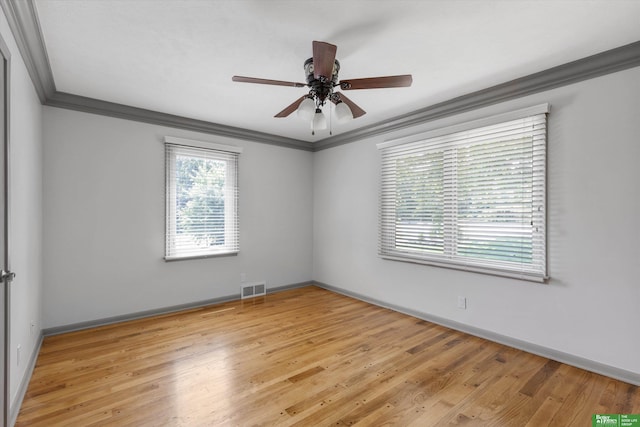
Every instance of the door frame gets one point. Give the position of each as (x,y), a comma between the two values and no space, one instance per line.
(5,63)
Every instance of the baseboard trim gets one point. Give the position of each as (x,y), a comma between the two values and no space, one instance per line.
(291,286)
(14,409)
(550,353)
(57,330)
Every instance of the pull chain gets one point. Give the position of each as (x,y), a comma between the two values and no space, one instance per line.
(330,120)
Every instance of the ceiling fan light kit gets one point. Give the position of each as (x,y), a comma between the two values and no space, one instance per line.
(307,109)
(319,121)
(343,112)
(321,72)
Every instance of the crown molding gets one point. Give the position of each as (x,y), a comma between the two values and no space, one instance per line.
(610,61)
(95,106)
(24,24)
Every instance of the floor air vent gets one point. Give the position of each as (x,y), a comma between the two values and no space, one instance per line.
(249,290)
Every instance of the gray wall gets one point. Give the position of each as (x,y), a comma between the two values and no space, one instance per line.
(25,127)
(314,216)
(590,307)
(104,220)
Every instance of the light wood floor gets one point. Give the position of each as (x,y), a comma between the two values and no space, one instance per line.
(306,357)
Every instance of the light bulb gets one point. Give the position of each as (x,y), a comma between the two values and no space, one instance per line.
(319,120)
(306,109)
(343,112)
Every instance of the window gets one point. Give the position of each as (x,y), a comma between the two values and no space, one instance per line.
(471,197)
(201,198)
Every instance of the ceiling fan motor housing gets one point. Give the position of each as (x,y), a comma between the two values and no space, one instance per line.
(322,87)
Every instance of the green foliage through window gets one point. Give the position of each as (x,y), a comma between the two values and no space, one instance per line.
(200,199)
(201,202)
(472,199)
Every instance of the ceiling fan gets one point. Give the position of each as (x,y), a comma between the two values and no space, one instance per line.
(322,77)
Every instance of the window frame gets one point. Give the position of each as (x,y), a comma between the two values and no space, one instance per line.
(213,151)
(450,257)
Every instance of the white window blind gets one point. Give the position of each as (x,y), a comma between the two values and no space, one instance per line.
(201,199)
(472,199)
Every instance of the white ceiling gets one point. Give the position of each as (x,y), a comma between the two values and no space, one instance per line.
(178,56)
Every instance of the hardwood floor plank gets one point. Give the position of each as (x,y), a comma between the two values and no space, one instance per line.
(538,380)
(480,397)
(304,357)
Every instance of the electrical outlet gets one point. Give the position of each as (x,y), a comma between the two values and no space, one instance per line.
(462,303)
(18,351)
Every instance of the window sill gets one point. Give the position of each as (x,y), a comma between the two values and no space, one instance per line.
(188,257)
(527,276)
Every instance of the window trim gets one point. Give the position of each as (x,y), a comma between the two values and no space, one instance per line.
(170,195)
(472,266)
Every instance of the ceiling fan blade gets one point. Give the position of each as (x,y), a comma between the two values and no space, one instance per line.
(404,80)
(324,55)
(355,110)
(243,79)
(291,108)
